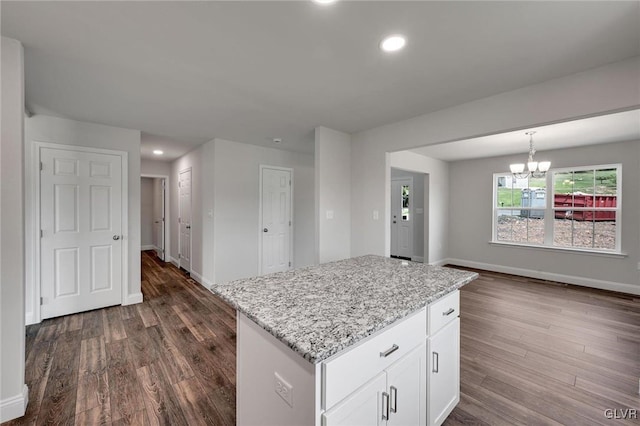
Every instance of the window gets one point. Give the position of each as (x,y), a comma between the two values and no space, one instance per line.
(569,208)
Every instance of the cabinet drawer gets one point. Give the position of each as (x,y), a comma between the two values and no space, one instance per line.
(346,372)
(443,311)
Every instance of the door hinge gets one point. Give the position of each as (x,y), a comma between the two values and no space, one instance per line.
(289,223)
(179,184)
(41,233)
(41,166)
(41,301)
(179,220)
(289,264)
(289,182)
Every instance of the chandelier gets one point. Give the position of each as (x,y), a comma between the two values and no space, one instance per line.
(534,169)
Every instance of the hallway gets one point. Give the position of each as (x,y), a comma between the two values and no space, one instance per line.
(169,360)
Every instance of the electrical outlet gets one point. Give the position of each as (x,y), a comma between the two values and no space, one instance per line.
(283,389)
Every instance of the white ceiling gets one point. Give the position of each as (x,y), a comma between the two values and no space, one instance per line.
(623,126)
(252,71)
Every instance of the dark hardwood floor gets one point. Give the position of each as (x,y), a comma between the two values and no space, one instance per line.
(531,353)
(537,352)
(169,360)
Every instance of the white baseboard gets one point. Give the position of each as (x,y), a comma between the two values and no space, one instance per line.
(201,280)
(132,299)
(15,406)
(174,261)
(29,319)
(150,247)
(417,259)
(550,276)
(440,262)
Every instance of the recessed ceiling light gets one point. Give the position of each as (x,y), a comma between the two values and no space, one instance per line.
(324,1)
(393,43)
(158,152)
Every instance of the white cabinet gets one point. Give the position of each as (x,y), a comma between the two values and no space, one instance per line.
(443,370)
(395,397)
(407,390)
(362,407)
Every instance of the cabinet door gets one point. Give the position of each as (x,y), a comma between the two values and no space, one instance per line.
(407,389)
(362,407)
(443,369)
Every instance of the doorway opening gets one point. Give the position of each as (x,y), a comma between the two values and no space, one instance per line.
(408,214)
(154,221)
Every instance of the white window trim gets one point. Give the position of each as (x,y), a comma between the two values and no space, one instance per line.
(550,212)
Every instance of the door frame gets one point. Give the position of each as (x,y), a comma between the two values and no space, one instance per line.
(190,169)
(411,213)
(260,227)
(36,219)
(167,212)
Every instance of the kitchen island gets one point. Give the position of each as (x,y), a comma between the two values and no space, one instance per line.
(368,340)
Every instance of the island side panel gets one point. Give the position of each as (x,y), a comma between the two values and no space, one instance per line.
(260,356)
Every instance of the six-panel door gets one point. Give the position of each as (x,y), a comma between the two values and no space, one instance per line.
(81,231)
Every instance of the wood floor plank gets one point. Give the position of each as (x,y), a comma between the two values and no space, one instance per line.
(160,401)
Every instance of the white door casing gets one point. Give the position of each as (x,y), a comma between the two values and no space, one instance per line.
(159,216)
(401,224)
(184,219)
(81,215)
(276,219)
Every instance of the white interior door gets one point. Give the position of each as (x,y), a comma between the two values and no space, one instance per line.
(402,218)
(184,184)
(159,186)
(276,220)
(81,231)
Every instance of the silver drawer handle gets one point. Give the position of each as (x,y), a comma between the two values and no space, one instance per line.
(389,351)
(385,411)
(393,392)
(449,312)
(436,362)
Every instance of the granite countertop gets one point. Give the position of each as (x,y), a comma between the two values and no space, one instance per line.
(319,310)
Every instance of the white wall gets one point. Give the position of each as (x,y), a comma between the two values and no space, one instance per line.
(471,221)
(416,203)
(332,194)
(436,241)
(146,212)
(42,128)
(13,391)
(155,168)
(237,194)
(596,91)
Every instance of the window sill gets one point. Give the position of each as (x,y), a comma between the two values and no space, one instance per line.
(573,250)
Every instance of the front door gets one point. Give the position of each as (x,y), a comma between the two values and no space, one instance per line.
(402,218)
(81,231)
(276,220)
(184,183)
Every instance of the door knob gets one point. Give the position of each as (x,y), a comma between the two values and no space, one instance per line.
(116,237)
(188,226)
(394,221)
(265,230)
